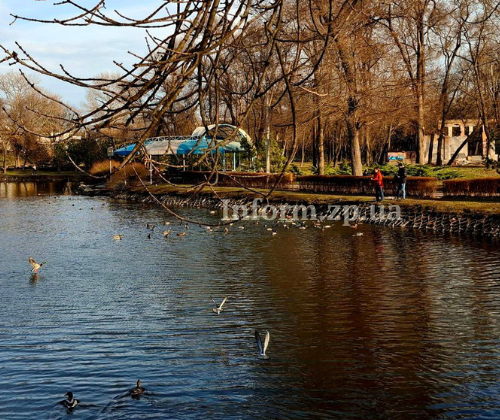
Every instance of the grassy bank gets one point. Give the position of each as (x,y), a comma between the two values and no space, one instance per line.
(19,174)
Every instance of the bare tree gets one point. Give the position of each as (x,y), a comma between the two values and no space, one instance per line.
(409,24)
(27,110)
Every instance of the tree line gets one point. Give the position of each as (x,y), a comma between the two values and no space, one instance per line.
(322,80)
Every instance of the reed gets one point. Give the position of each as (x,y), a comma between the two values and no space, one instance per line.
(128,174)
(102,167)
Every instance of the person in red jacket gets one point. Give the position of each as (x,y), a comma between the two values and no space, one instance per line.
(379,184)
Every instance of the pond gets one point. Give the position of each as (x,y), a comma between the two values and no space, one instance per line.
(394,324)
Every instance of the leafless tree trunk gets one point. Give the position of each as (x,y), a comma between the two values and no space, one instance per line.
(413,20)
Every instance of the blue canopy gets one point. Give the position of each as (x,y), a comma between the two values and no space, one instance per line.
(199,142)
(175,146)
(189,146)
(124,151)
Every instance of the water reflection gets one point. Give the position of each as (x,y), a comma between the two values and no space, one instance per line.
(13,190)
(393,324)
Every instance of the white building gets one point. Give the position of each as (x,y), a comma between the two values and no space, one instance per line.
(456,132)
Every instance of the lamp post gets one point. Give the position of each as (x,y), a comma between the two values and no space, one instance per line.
(111,151)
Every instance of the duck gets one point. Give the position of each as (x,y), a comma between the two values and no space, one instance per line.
(262,345)
(358,234)
(218,308)
(181,234)
(117,237)
(35,265)
(166,234)
(138,390)
(69,402)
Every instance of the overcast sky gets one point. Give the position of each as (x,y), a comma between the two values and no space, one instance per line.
(83,51)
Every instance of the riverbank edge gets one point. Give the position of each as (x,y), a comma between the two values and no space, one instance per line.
(45,178)
(458,217)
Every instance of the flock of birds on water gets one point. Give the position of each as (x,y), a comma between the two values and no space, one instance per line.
(71,402)
(262,341)
(288,223)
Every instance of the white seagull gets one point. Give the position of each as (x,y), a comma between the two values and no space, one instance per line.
(262,346)
(218,308)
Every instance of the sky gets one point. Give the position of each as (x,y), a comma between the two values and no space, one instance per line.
(83,51)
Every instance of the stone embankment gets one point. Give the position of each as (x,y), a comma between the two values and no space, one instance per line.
(410,216)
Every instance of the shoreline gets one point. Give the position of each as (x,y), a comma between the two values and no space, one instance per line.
(480,218)
(44,177)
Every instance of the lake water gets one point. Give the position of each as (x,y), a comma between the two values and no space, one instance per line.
(395,324)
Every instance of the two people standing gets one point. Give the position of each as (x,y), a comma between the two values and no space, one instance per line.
(400,179)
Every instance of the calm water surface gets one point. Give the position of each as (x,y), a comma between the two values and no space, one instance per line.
(395,324)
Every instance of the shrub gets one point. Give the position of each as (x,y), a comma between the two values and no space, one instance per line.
(128,174)
(102,167)
(443,173)
(342,184)
(349,184)
(420,186)
(296,170)
(482,187)
(254,179)
(277,157)
(236,179)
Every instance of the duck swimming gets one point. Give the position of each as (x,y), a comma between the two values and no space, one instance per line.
(35,265)
(69,402)
(138,390)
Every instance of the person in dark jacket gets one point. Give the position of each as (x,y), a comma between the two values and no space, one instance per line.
(401,181)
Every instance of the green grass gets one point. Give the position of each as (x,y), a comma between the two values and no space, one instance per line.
(440,172)
(19,173)
(471,173)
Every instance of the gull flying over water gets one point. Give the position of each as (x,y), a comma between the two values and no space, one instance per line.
(35,265)
(218,308)
(262,345)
